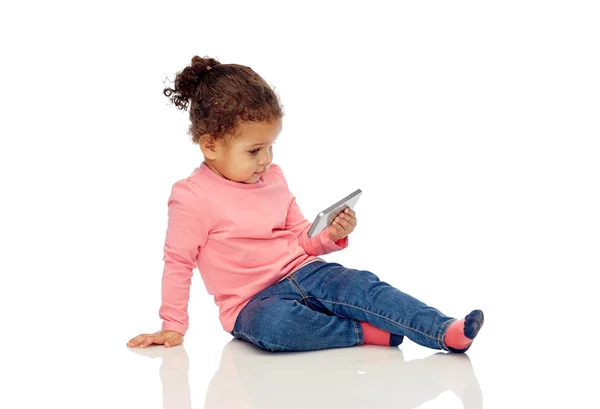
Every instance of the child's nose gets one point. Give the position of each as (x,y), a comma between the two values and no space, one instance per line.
(265,159)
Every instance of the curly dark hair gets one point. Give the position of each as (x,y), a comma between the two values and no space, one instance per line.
(222,96)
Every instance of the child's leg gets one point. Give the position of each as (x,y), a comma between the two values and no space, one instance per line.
(360,295)
(277,319)
(278,325)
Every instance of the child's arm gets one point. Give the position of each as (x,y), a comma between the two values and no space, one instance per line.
(187,231)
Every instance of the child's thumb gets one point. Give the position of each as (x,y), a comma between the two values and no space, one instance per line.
(170,342)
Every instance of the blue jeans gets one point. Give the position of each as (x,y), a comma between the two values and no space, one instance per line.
(321,305)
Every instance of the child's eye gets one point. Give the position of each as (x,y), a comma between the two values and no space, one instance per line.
(255,151)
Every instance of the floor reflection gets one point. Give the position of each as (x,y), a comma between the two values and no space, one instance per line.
(358,377)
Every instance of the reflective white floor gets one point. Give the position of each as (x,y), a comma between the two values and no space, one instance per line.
(345,378)
(87,364)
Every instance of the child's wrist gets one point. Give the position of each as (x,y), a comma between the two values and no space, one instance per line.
(333,237)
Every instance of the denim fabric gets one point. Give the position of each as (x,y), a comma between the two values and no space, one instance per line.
(321,305)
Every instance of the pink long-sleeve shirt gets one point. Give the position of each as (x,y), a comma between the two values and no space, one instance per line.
(241,237)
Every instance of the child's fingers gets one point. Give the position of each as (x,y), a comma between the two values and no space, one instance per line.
(350,212)
(350,218)
(344,223)
(135,341)
(151,339)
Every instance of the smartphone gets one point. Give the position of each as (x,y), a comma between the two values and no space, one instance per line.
(326,217)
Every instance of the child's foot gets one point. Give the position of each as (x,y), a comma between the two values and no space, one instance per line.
(461,333)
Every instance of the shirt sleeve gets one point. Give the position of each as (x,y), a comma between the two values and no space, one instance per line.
(187,232)
(297,223)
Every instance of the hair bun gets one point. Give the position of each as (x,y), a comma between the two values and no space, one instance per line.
(202,65)
(188,80)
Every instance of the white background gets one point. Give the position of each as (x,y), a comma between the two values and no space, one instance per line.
(471,127)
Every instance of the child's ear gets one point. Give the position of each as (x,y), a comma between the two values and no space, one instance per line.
(208,146)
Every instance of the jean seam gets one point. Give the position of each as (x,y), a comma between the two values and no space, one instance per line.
(298,288)
(381,316)
(439,337)
(359,340)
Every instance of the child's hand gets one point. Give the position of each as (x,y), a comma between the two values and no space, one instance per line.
(168,338)
(342,225)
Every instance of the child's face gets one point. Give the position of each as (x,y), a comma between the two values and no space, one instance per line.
(248,152)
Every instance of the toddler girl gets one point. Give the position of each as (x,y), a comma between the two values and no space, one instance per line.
(235,219)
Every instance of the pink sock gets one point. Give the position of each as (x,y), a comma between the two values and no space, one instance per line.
(374,335)
(460,333)
(455,336)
